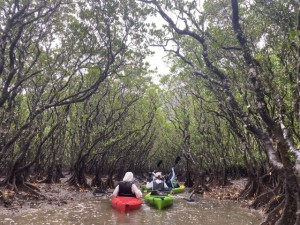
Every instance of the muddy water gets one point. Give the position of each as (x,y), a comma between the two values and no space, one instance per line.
(99,211)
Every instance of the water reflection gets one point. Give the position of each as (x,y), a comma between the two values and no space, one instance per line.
(99,211)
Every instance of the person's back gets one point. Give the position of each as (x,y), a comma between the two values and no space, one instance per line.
(159,183)
(125,189)
(168,181)
(150,177)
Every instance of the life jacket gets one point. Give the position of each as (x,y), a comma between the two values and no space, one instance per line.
(158,186)
(149,179)
(169,183)
(125,189)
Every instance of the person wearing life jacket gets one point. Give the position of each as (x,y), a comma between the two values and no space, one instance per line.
(127,187)
(158,183)
(170,180)
(150,177)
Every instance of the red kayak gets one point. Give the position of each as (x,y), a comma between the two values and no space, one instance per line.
(125,204)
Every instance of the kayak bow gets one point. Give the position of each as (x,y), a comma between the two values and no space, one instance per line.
(125,204)
(159,201)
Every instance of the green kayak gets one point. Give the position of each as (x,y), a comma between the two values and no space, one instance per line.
(177,190)
(159,201)
(144,188)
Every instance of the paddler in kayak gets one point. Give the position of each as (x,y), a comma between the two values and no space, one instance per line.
(170,180)
(158,183)
(150,177)
(127,187)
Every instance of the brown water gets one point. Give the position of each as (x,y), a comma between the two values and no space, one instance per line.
(99,211)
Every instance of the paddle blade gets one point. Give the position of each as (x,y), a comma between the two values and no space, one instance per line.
(159,163)
(99,192)
(177,159)
(189,199)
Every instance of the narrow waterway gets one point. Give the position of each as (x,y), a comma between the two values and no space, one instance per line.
(99,211)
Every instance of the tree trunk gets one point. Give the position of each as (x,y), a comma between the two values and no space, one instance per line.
(78,178)
(290,211)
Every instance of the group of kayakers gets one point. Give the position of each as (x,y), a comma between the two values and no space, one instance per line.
(154,181)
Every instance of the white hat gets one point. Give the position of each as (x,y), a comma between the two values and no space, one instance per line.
(158,175)
(128,177)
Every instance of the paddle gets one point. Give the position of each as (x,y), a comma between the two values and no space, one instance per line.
(138,178)
(160,191)
(177,160)
(157,167)
(175,163)
(100,192)
(189,199)
(159,163)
